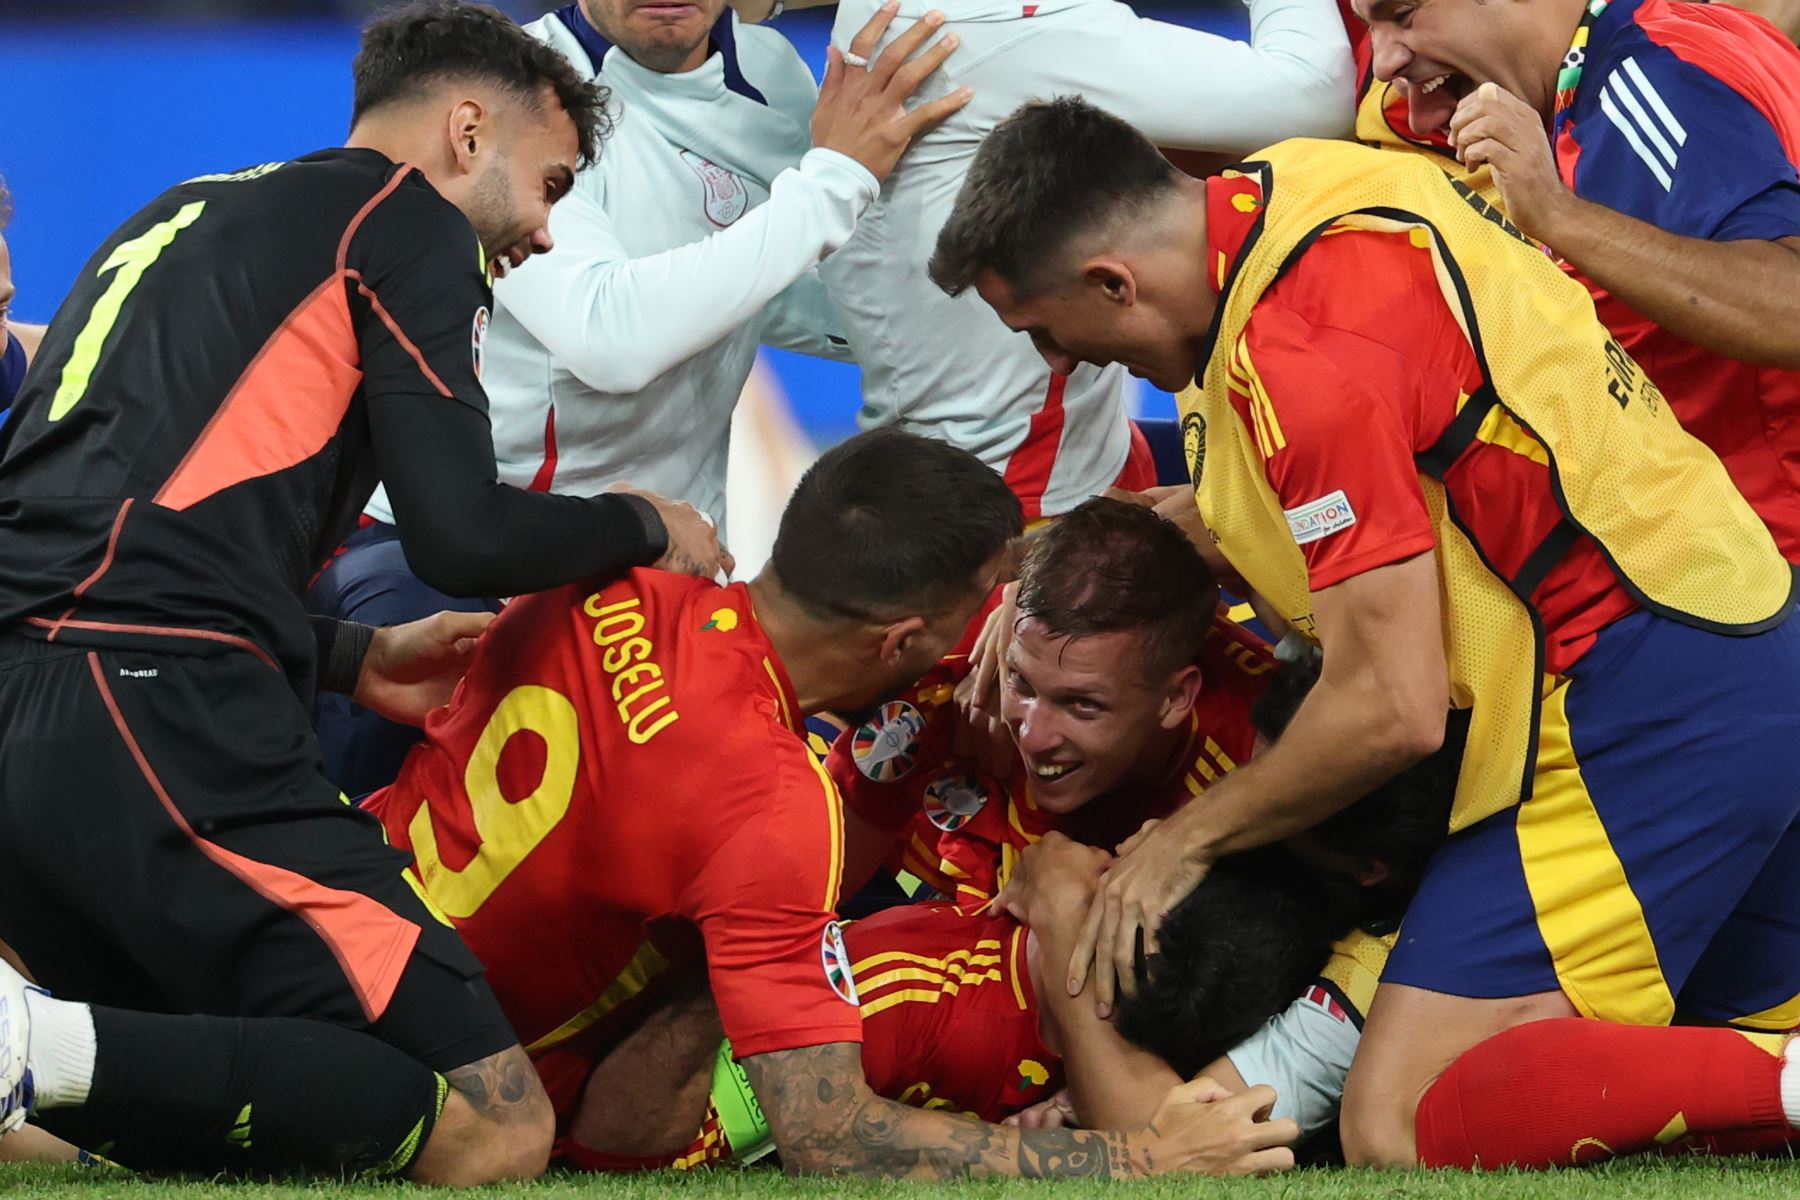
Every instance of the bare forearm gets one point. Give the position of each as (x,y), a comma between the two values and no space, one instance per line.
(1739,299)
(827,1122)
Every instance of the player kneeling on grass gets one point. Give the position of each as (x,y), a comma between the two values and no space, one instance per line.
(621,783)
(953,1018)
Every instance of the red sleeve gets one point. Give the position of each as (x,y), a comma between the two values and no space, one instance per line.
(764,903)
(1340,411)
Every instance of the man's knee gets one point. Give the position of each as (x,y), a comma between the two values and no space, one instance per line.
(497,1124)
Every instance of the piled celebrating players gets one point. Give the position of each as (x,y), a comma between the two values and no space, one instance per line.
(971,836)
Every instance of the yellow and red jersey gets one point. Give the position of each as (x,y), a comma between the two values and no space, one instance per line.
(949,1016)
(618,782)
(960,830)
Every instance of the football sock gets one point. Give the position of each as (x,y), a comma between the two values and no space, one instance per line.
(62,1050)
(271,1096)
(1571,1091)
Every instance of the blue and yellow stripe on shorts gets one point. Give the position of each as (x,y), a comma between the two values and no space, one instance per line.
(1655,868)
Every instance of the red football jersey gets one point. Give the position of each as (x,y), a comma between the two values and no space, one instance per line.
(961,831)
(949,1017)
(620,768)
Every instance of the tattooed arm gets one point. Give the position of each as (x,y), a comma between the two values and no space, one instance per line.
(826,1121)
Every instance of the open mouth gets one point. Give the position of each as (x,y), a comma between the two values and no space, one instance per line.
(1433,101)
(1050,774)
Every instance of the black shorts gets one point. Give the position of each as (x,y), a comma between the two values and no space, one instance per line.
(169,843)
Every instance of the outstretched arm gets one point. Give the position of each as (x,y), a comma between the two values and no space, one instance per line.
(826,1121)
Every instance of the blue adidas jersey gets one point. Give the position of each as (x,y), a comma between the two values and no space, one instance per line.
(1658,130)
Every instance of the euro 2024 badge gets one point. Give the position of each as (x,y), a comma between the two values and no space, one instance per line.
(886,746)
(836,957)
(951,802)
(478,329)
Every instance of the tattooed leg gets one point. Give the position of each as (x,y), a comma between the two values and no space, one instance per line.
(496,1123)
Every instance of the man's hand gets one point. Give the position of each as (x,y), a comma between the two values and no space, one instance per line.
(1054,868)
(1155,869)
(862,111)
(694,547)
(1204,1128)
(1175,503)
(1493,126)
(411,669)
(1055,1113)
(981,734)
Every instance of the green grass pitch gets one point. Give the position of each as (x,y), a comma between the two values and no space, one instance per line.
(1684,1179)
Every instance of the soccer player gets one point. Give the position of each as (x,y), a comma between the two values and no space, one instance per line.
(205,417)
(622,356)
(1126,697)
(18,341)
(1667,184)
(621,784)
(1418,443)
(952,1012)
(946,365)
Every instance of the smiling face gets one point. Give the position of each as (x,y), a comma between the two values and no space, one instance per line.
(1086,716)
(1439,51)
(1103,317)
(669,36)
(527,165)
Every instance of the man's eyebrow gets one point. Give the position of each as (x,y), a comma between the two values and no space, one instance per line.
(1379,10)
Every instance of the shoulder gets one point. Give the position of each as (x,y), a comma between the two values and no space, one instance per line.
(770,61)
(1354,969)
(1671,114)
(406,219)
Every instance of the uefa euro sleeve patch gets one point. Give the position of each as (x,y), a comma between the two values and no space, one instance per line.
(886,746)
(836,958)
(1321,518)
(950,802)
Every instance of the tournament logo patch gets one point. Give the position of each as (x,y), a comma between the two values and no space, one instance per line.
(951,802)
(1193,444)
(886,746)
(724,194)
(836,958)
(478,339)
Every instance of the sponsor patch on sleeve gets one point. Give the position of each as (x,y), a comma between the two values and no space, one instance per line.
(1320,518)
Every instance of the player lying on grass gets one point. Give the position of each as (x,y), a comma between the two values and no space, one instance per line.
(1127,696)
(620,783)
(1381,842)
(952,1016)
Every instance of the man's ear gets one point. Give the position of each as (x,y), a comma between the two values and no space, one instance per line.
(1179,697)
(1370,871)
(896,639)
(470,127)
(1113,277)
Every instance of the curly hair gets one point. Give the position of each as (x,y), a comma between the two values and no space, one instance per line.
(406,51)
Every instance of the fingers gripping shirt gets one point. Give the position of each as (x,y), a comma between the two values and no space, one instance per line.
(619,782)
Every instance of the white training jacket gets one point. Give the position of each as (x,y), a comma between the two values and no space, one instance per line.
(949,367)
(621,353)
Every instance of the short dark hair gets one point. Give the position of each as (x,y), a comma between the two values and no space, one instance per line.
(1402,821)
(890,523)
(6,204)
(1107,566)
(407,50)
(1231,954)
(1050,172)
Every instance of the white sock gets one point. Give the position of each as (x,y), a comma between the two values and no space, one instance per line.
(62,1050)
(1790,1081)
